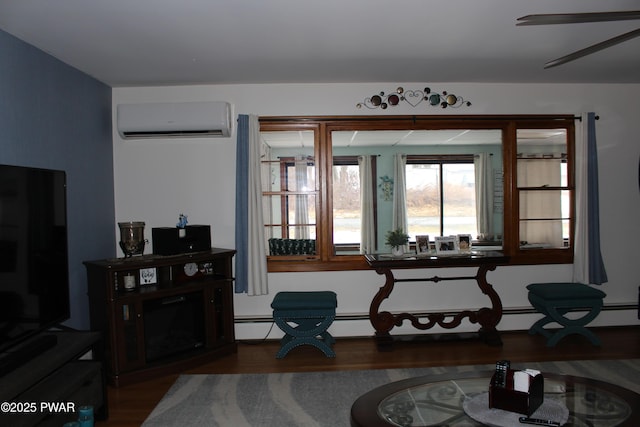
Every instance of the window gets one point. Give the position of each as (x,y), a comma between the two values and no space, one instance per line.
(289,193)
(346,202)
(543,189)
(354,201)
(441,195)
(330,185)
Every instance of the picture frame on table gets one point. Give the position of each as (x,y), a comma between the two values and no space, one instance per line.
(446,245)
(148,276)
(464,243)
(422,244)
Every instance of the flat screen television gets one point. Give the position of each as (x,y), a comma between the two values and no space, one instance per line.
(34,275)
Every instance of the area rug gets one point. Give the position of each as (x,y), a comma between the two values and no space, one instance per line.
(318,399)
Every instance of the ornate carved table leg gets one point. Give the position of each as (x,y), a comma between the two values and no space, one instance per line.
(382,322)
(488,318)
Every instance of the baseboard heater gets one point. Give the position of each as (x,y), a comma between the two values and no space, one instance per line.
(506,311)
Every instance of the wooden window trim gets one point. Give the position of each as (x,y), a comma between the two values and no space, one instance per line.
(322,126)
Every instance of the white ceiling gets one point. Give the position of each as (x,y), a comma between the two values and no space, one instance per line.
(174,42)
(383,138)
(404,138)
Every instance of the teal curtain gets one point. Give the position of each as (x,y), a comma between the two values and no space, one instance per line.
(588,265)
(251,256)
(597,272)
(242,204)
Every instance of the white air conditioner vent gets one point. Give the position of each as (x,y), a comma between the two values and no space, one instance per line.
(174,120)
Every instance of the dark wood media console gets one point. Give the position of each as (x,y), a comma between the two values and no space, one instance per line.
(65,372)
(162,314)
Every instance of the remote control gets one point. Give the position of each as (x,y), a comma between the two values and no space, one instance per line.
(539,422)
(500,379)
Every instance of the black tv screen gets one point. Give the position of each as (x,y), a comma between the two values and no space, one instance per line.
(34,276)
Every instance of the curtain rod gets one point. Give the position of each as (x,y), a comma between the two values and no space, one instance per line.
(580,117)
(415,118)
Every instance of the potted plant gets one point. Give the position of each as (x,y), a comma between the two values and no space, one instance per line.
(397,239)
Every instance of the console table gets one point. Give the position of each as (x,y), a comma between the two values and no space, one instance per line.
(488,318)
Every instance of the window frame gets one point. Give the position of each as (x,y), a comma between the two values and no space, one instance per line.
(517,255)
(327,260)
(352,160)
(284,194)
(440,160)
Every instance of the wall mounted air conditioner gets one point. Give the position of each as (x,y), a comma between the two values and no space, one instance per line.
(174,120)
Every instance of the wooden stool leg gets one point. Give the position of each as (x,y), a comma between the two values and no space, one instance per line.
(563,332)
(311,331)
(553,311)
(574,326)
(317,343)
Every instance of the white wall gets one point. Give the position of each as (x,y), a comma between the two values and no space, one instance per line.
(156,180)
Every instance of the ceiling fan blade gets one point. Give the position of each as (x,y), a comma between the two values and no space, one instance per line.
(593,48)
(574,18)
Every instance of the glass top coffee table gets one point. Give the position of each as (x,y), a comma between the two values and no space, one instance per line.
(437,400)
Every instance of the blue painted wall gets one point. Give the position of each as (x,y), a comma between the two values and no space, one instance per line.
(54,116)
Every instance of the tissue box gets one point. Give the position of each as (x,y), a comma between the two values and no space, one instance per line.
(516,399)
(170,240)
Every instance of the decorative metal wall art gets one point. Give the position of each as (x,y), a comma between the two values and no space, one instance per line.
(413,98)
(386,185)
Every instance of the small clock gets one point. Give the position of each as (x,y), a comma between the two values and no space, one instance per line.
(190,269)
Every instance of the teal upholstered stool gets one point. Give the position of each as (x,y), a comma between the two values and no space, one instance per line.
(304,318)
(554,300)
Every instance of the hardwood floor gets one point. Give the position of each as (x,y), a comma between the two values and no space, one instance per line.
(129,405)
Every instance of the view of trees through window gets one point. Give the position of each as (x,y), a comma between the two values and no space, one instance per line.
(346,204)
(441,199)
